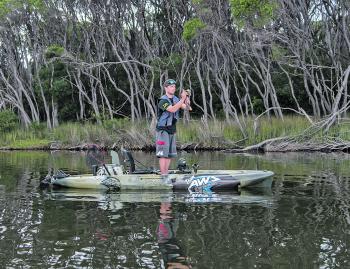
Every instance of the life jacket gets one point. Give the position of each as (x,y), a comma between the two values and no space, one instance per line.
(165,118)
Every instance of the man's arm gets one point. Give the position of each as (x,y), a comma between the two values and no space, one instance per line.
(178,105)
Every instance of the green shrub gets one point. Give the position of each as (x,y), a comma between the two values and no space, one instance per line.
(54,51)
(256,12)
(258,105)
(192,27)
(8,121)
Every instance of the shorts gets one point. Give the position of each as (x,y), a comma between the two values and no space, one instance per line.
(165,145)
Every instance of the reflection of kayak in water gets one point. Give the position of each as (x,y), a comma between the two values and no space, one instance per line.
(260,196)
(101,196)
(114,176)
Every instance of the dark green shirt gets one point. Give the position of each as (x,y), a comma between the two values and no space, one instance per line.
(162,106)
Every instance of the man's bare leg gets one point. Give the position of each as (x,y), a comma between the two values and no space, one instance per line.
(164,164)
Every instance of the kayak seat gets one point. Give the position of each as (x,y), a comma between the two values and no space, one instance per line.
(129,163)
(128,160)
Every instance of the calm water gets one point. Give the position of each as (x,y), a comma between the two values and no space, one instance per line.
(302,222)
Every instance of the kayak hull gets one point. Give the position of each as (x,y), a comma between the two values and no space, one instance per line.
(203,179)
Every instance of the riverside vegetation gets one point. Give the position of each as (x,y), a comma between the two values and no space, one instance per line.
(193,135)
(265,75)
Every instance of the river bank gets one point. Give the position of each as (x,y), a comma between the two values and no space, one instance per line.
(290,134)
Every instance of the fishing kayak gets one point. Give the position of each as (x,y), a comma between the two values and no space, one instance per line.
(116,177)
(203,179)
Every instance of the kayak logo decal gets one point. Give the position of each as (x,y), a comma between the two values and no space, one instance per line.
(204,182)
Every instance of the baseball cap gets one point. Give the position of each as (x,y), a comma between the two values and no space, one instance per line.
(169,82)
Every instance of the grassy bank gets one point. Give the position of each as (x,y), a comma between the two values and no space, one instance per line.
(114,133)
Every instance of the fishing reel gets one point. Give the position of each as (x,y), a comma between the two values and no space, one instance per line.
(187,102)
(184,168)
(182,165)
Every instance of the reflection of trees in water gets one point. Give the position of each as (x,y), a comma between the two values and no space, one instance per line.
(145,235)
(301,229)
(305,164)
(307,226)
(20,216)
(292,233)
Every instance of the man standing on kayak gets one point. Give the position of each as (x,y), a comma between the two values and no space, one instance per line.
(168,114)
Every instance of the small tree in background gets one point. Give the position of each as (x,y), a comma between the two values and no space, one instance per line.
(8,120)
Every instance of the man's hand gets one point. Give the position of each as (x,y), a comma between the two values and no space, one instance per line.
(183,95)
(187,102)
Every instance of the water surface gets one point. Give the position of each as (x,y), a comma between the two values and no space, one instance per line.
(301,222)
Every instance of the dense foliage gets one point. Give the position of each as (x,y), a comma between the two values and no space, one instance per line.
(71,60)
(8,120)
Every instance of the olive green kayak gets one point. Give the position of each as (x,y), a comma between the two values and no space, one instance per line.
(202,179)
(126,177)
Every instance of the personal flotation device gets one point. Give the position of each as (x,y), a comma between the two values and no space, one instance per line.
(165,118)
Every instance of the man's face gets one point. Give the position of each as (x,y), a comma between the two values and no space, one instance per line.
(170,89)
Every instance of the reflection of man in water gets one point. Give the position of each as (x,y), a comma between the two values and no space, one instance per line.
(166,233)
